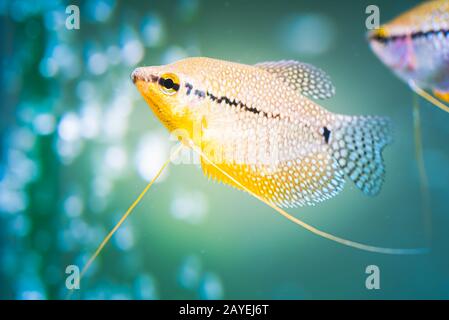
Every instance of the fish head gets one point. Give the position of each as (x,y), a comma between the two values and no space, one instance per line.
(169,91)
(395,50)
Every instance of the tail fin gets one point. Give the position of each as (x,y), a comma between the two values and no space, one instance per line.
(357,146)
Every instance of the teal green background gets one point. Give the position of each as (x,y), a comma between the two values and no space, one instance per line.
(192,238)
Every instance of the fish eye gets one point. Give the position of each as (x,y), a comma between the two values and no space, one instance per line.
(169,83)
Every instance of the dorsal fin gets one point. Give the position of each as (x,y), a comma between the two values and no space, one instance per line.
(310,81)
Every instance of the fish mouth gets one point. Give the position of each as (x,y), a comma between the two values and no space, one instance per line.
(371,35)
(379,34)
(134,76)
(383,35)
(143,74)
(141,78)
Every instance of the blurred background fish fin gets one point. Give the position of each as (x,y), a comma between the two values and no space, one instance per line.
(424,180)
(309,80)
(444,96)
(427,96)
(357,145)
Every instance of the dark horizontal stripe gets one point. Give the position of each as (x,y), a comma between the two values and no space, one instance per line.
(421,34)
(235,103)
(414,36)
(201,94)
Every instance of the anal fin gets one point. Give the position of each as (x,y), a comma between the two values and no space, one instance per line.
(305,181)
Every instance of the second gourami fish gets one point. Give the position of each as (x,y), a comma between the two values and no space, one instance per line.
(260,125)
(415,45)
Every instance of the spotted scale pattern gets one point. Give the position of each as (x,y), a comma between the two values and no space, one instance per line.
(307,79)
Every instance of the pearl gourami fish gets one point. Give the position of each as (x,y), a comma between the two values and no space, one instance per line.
(415,46)
(258,129)
(259,124)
